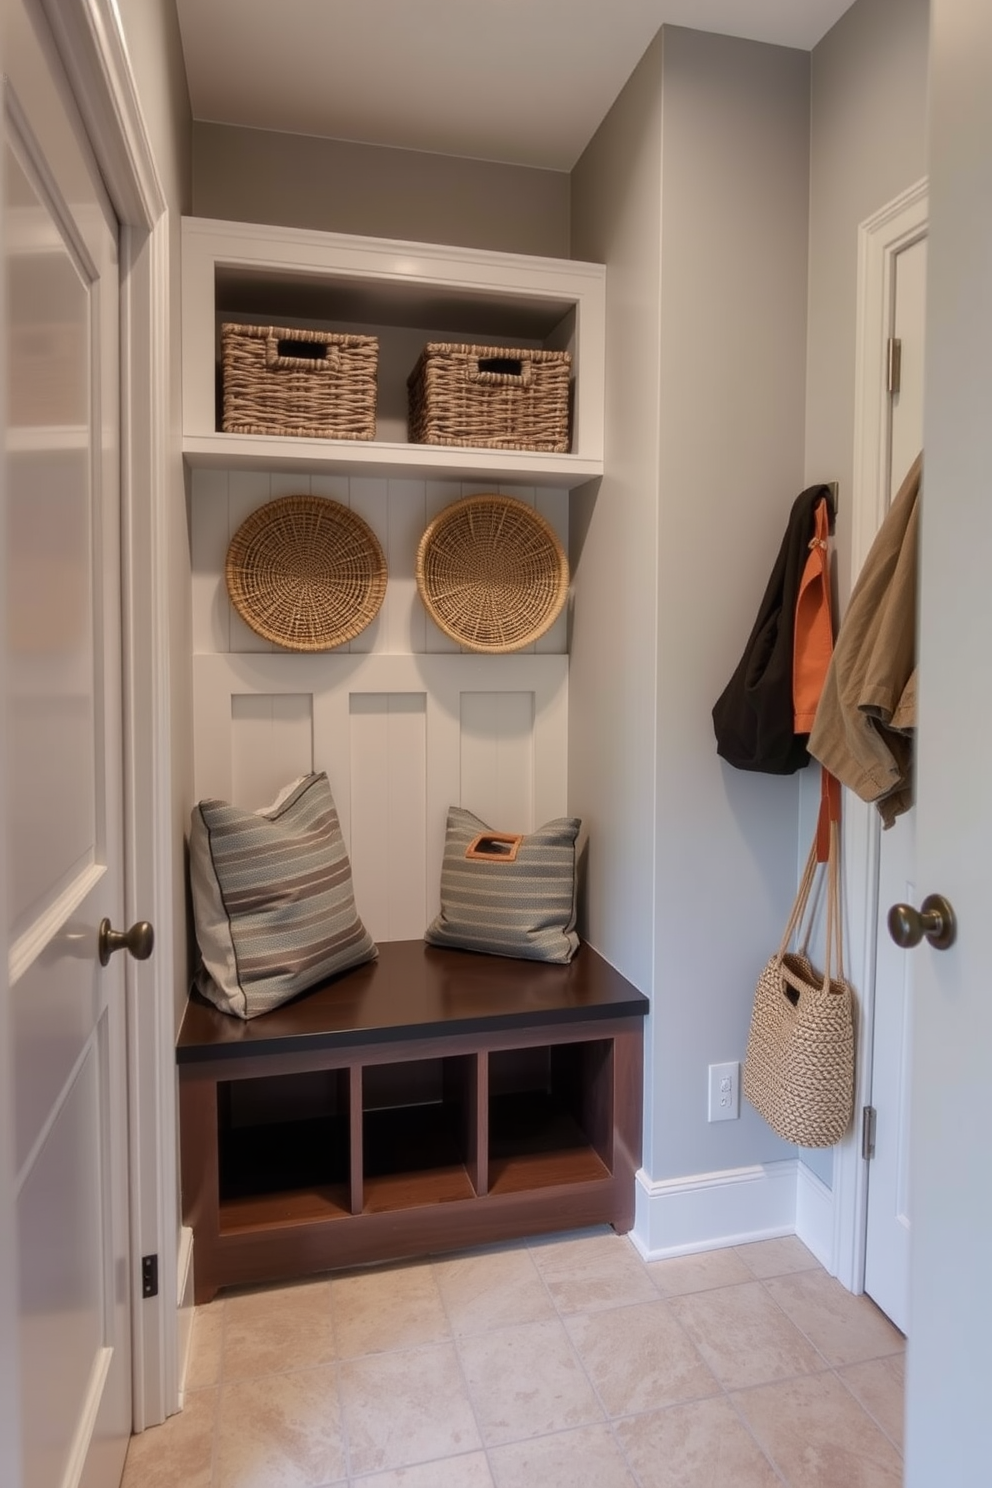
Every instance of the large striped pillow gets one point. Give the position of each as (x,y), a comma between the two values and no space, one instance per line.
(506,894)
(272,899)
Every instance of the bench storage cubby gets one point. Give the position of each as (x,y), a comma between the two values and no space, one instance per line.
(428,1101)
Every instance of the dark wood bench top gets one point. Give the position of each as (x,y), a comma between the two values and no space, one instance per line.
(417,991)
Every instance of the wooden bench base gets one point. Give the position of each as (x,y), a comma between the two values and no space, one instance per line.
(429,1101)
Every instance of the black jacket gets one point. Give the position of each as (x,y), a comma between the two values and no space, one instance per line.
(753,718)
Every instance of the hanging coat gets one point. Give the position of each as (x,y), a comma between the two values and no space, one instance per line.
(754,718)
(864,727)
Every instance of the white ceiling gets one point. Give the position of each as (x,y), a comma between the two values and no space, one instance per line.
(522,81)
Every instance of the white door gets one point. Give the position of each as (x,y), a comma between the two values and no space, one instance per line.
(887,1241)
(64,786)
(949,1370)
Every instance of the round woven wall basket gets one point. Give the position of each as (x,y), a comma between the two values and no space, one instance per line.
(492,573)
(306,573)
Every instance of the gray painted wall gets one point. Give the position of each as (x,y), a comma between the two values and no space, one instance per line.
(869,107)
(291,180)
(735,175)
(692,866)
(616,219)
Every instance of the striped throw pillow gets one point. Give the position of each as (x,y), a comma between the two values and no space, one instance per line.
(272,899)
(505,894)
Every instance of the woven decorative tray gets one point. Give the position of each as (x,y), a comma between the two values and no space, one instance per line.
(306,573)
(492,573)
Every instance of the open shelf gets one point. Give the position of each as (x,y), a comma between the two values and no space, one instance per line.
(405,294)
(429,1101)
(547,1116)
(283,1150)
(215,451)
(416,1143)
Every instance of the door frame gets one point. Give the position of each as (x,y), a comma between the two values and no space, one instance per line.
(93,52)
(881,238)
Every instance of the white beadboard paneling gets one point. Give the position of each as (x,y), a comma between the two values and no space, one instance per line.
(388,812)
(405,622)
(210,538)
(271,744)
(398,512)
(369,499)
(439,494)
(247,491)
(333,487)
(289,483)
(552,504)
(497,758)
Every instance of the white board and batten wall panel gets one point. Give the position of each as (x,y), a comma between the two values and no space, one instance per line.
(404,722)
(401,739)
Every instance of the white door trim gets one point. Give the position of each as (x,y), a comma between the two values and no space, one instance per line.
(94,54)
(881,238)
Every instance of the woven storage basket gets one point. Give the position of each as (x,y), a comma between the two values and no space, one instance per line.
(490,397)
(298,383)
(306,573)
(492,573)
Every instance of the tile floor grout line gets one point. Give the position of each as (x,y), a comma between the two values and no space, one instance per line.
(897,1446)
(219,1399)
(339,1391)
(461,1370)
(779,1472)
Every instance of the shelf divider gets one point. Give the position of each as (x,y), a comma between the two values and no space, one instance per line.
(356,1144)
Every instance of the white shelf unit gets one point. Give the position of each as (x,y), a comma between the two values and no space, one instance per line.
(406,294)
(404,724)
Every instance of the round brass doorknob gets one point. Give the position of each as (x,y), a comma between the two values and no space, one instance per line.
(139,940)
(934,920)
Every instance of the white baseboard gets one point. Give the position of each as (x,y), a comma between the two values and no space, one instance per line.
(185,1297)
(815,1216)
(679,1216)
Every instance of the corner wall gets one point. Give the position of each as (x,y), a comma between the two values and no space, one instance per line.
(868,144)
(694,192)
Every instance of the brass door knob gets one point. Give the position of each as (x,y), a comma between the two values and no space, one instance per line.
(934,921)
(139,941)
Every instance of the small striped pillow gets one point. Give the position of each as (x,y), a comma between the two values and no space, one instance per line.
(272,899)
(508,895)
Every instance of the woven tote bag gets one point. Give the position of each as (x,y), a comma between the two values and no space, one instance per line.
(799,1065)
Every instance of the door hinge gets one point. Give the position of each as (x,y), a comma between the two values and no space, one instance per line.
(868,1117)
(893,364)
(149,1276)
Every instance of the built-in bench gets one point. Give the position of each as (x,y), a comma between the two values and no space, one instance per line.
(430,1100)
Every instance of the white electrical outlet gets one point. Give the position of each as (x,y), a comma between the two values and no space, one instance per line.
(725,1092)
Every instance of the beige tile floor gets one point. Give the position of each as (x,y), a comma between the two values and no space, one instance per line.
(564,1362)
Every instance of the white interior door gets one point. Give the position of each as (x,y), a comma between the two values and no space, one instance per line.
(949,1368)
(64,788)
(888,1223)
